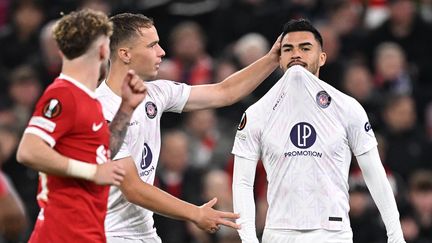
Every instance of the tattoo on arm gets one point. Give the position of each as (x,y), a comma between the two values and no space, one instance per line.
(118,128)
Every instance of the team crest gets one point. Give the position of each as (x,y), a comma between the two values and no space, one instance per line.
(52,108)
(151,109)
(323,99)
(242,123)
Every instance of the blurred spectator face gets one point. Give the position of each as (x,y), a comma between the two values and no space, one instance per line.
(201,122)
(145,55)
(217,184)
(331,43)
(187,41)
(50,51)
(410,228)
(28,17)
(358,82)
(309,56)
(389,61)
(99,5)
(174,151)
(401,115)
(402,11)
(421,193)
(250,48)
(25,87)
(345,17)
(358,202)
(223,70)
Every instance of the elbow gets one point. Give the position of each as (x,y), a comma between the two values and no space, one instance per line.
(129,193)
(23,156)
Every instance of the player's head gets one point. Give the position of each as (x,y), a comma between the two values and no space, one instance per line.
(83,32)
(135,43)
(301,44)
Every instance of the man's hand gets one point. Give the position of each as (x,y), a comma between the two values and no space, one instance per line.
(109,173)
(274,52)
(209,219)
(133,90)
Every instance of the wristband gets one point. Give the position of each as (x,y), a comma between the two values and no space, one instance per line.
(81,170)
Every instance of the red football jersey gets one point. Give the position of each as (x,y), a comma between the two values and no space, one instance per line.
(69,118)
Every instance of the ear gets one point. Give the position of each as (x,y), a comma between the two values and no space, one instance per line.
(322,58)
(124,55)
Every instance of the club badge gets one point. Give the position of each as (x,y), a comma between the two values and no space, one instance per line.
(52,109)
(323,99)
(151,109)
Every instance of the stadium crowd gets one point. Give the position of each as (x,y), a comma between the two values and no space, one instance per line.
(378,51)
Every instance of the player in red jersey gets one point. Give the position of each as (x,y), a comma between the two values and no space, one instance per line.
(68,139)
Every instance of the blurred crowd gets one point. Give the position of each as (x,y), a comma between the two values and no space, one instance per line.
(378,51)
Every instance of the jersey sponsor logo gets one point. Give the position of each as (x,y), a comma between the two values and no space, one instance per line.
(323,99)
(278,100)
(303,135)
(133,123)
(242,123)
(42,123)
(367,127)
(146,158)
(52,108)
(151,109)
(96,127)
(101,155)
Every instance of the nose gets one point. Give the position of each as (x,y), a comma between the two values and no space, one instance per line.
(161,51)
(295,54)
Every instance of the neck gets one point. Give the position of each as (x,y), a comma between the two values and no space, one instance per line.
(83,70)
(116,75)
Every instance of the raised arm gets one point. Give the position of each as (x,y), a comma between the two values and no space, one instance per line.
(236,86)
(244,203)
(380,189)
(150,197)
(35,153)
(133,93)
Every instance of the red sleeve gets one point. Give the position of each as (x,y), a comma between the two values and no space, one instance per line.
(54,115)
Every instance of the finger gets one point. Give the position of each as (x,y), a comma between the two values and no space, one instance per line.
(212,202)
(130,74)
(228,224)
(229,215)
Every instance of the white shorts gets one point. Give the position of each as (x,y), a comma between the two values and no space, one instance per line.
(125,239)
(306,236)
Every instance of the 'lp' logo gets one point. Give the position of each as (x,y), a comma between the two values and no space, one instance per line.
(303,135)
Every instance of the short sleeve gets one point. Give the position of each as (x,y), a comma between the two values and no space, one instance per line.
(361,137)
(54,115)
(173,95)
(247,140)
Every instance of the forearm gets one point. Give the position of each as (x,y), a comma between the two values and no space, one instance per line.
(118,128)
(243,82)
(36,154)
(243,198)
(381,192)
(158,201)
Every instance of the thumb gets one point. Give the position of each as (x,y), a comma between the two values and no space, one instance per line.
(212,202)
(130,74)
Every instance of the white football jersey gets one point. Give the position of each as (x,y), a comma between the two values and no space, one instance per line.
(304,130)
(142,142)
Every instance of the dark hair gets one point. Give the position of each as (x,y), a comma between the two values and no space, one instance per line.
(295,25)
(126,26)
(76,31)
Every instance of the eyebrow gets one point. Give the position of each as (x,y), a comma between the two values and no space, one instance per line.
(303,44)
(153,43)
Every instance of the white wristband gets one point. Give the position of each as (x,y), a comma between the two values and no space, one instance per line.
(81,170)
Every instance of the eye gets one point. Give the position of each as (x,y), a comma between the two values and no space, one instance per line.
(306,49)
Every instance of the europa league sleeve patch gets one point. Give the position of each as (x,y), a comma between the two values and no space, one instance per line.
(52,109)
(242,123)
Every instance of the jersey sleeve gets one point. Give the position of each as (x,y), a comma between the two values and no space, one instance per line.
(173,95)
(247,140)
(361,137)
(54,115)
